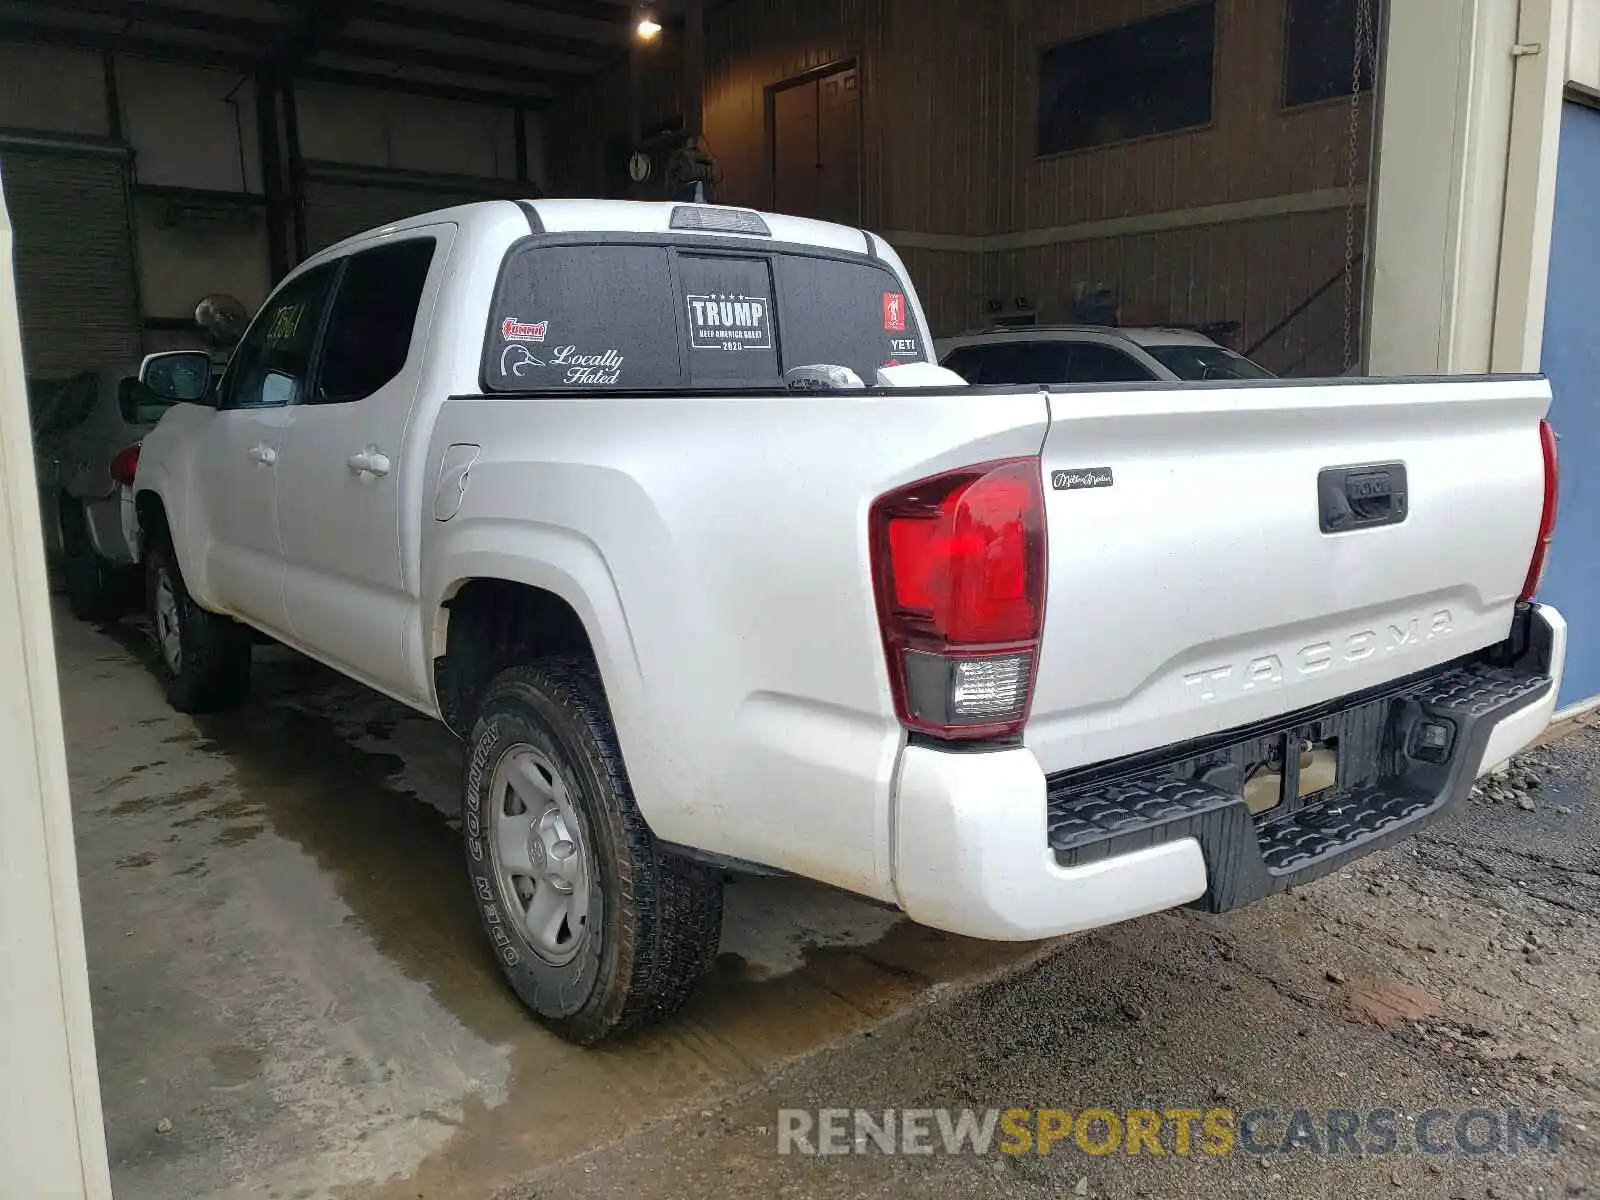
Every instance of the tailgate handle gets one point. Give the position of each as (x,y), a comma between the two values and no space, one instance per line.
(1361,497)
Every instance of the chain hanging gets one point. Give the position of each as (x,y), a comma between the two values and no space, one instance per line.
(1365,49)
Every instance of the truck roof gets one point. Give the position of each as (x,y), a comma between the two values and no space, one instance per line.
(631,216)
(1150,335)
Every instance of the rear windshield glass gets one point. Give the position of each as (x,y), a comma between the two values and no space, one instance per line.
(638,316)
(1206,362)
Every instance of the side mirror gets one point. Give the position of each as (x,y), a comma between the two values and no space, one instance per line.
(180,376)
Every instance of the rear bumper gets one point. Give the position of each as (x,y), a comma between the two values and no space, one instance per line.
(986,845)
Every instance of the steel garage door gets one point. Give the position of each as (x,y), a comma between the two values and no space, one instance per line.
(74,258)
(1572,360)
(335,211)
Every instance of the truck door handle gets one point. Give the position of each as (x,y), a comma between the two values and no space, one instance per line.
(1361,497)
(370,461)
(263,454)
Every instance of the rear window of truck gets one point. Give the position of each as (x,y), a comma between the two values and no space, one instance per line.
(690,315)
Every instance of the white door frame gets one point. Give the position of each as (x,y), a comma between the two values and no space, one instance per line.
(1470,108)
(52,1134)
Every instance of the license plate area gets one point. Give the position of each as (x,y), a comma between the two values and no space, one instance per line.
(1282,771)
(1304,765)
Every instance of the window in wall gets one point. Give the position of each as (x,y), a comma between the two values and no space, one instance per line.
(1319,50)
(1153,76)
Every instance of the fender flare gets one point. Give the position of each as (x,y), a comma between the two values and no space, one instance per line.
(559,561)
(158,483)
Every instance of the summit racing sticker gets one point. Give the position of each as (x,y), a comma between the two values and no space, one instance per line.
(894,312)
(727,322)
(513,330)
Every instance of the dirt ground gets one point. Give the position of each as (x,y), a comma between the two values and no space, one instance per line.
(292,998)
(1459,971)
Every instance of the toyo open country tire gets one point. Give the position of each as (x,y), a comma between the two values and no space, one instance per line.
(202,658)
(595,928)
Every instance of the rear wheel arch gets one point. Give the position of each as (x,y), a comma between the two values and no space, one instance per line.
(152,513)
(72,524)
(485,625)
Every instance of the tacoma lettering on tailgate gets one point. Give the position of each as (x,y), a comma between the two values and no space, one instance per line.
(1270,669)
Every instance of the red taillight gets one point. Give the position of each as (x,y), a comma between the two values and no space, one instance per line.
(1547,517)
(126,465)
(959,566)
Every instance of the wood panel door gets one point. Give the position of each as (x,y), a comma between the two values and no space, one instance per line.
(815,123)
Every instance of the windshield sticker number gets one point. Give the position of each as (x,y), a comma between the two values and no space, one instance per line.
(285,323)
(729,322)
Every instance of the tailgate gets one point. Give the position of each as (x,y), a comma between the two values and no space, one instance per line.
(1221,555)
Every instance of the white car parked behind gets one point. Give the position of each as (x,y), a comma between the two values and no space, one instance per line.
(1091,354)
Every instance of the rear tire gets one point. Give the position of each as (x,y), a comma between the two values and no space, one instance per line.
(203,658)
(596,929)
(92,593)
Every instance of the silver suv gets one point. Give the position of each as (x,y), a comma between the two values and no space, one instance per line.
(1091,354)
(86,437)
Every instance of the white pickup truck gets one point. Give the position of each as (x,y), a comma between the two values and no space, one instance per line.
(599,485)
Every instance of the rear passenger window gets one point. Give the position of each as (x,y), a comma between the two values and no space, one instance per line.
(374,316)
(1094,363)
(965,362)
(584,317)
(1019,363)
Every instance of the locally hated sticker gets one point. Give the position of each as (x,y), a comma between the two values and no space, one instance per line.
(728,322)
(513,330)
(894,312)
(594,370)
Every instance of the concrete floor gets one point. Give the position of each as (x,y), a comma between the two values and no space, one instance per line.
(291,993)
(285,968)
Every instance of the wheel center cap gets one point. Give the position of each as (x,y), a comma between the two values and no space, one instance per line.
(536,854)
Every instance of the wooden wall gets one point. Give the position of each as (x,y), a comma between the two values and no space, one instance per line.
(949,101)
(1254,272)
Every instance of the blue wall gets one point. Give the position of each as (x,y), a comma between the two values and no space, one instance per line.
(1572,361)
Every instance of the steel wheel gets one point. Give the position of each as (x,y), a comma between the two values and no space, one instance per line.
(542,865)
(168,636)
